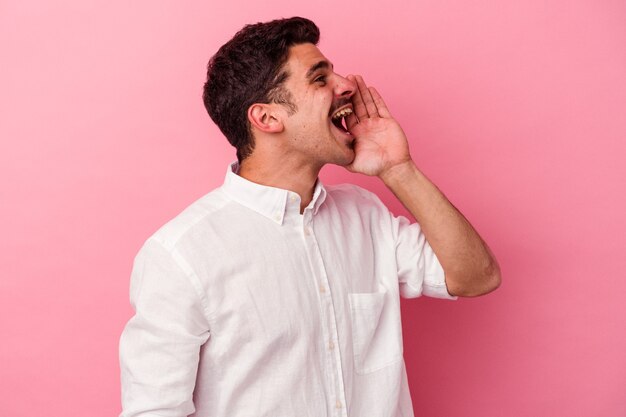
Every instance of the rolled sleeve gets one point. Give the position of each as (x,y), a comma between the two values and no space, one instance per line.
(419,270)
(160,345)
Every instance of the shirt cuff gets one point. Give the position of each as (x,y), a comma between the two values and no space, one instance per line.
(435,283)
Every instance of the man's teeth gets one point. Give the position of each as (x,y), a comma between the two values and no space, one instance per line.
(342,113)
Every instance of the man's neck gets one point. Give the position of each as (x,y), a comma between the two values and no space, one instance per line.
(289,175)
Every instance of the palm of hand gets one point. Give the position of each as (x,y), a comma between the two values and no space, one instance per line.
(380,142)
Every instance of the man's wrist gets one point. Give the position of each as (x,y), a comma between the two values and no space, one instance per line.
(398,172)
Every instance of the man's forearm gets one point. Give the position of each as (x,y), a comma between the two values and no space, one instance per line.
(470,267)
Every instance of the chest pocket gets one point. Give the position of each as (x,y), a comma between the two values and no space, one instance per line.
(376,331)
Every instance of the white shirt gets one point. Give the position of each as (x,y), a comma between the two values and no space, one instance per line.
(245,307)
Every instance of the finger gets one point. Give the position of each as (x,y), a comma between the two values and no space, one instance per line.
(368,100)
(357,101)
(380,103)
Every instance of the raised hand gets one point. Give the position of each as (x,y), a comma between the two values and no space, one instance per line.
(380,143)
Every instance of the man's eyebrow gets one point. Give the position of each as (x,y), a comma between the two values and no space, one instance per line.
(323,64)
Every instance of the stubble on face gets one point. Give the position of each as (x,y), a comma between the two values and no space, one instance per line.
(314,102)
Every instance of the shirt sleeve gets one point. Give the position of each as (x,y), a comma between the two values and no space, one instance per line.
(419,270)
(160,345)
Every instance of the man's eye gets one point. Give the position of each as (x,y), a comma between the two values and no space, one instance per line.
(321,78)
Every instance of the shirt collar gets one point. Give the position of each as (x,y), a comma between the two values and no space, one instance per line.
(271,202)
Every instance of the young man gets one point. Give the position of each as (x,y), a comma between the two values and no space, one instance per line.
(275,295)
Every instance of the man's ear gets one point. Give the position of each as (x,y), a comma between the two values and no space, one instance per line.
(265,117)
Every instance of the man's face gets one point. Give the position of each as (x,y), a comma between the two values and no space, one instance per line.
(319,94)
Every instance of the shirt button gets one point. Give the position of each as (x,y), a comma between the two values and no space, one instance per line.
(331,345)
(338,404)
(277,216)
(293,197)
(322,288)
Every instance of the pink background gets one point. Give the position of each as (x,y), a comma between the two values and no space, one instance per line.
(515,109)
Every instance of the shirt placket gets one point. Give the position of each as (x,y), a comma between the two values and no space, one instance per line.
(329,322)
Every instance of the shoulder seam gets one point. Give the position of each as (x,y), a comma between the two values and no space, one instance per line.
(189,273)
(171,243)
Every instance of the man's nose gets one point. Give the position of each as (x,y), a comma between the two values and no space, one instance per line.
(345,88)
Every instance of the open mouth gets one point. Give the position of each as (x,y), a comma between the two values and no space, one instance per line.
(339,118)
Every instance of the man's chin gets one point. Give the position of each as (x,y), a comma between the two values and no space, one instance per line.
(346,159)
(346,145)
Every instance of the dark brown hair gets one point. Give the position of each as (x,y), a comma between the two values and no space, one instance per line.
(248,69)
